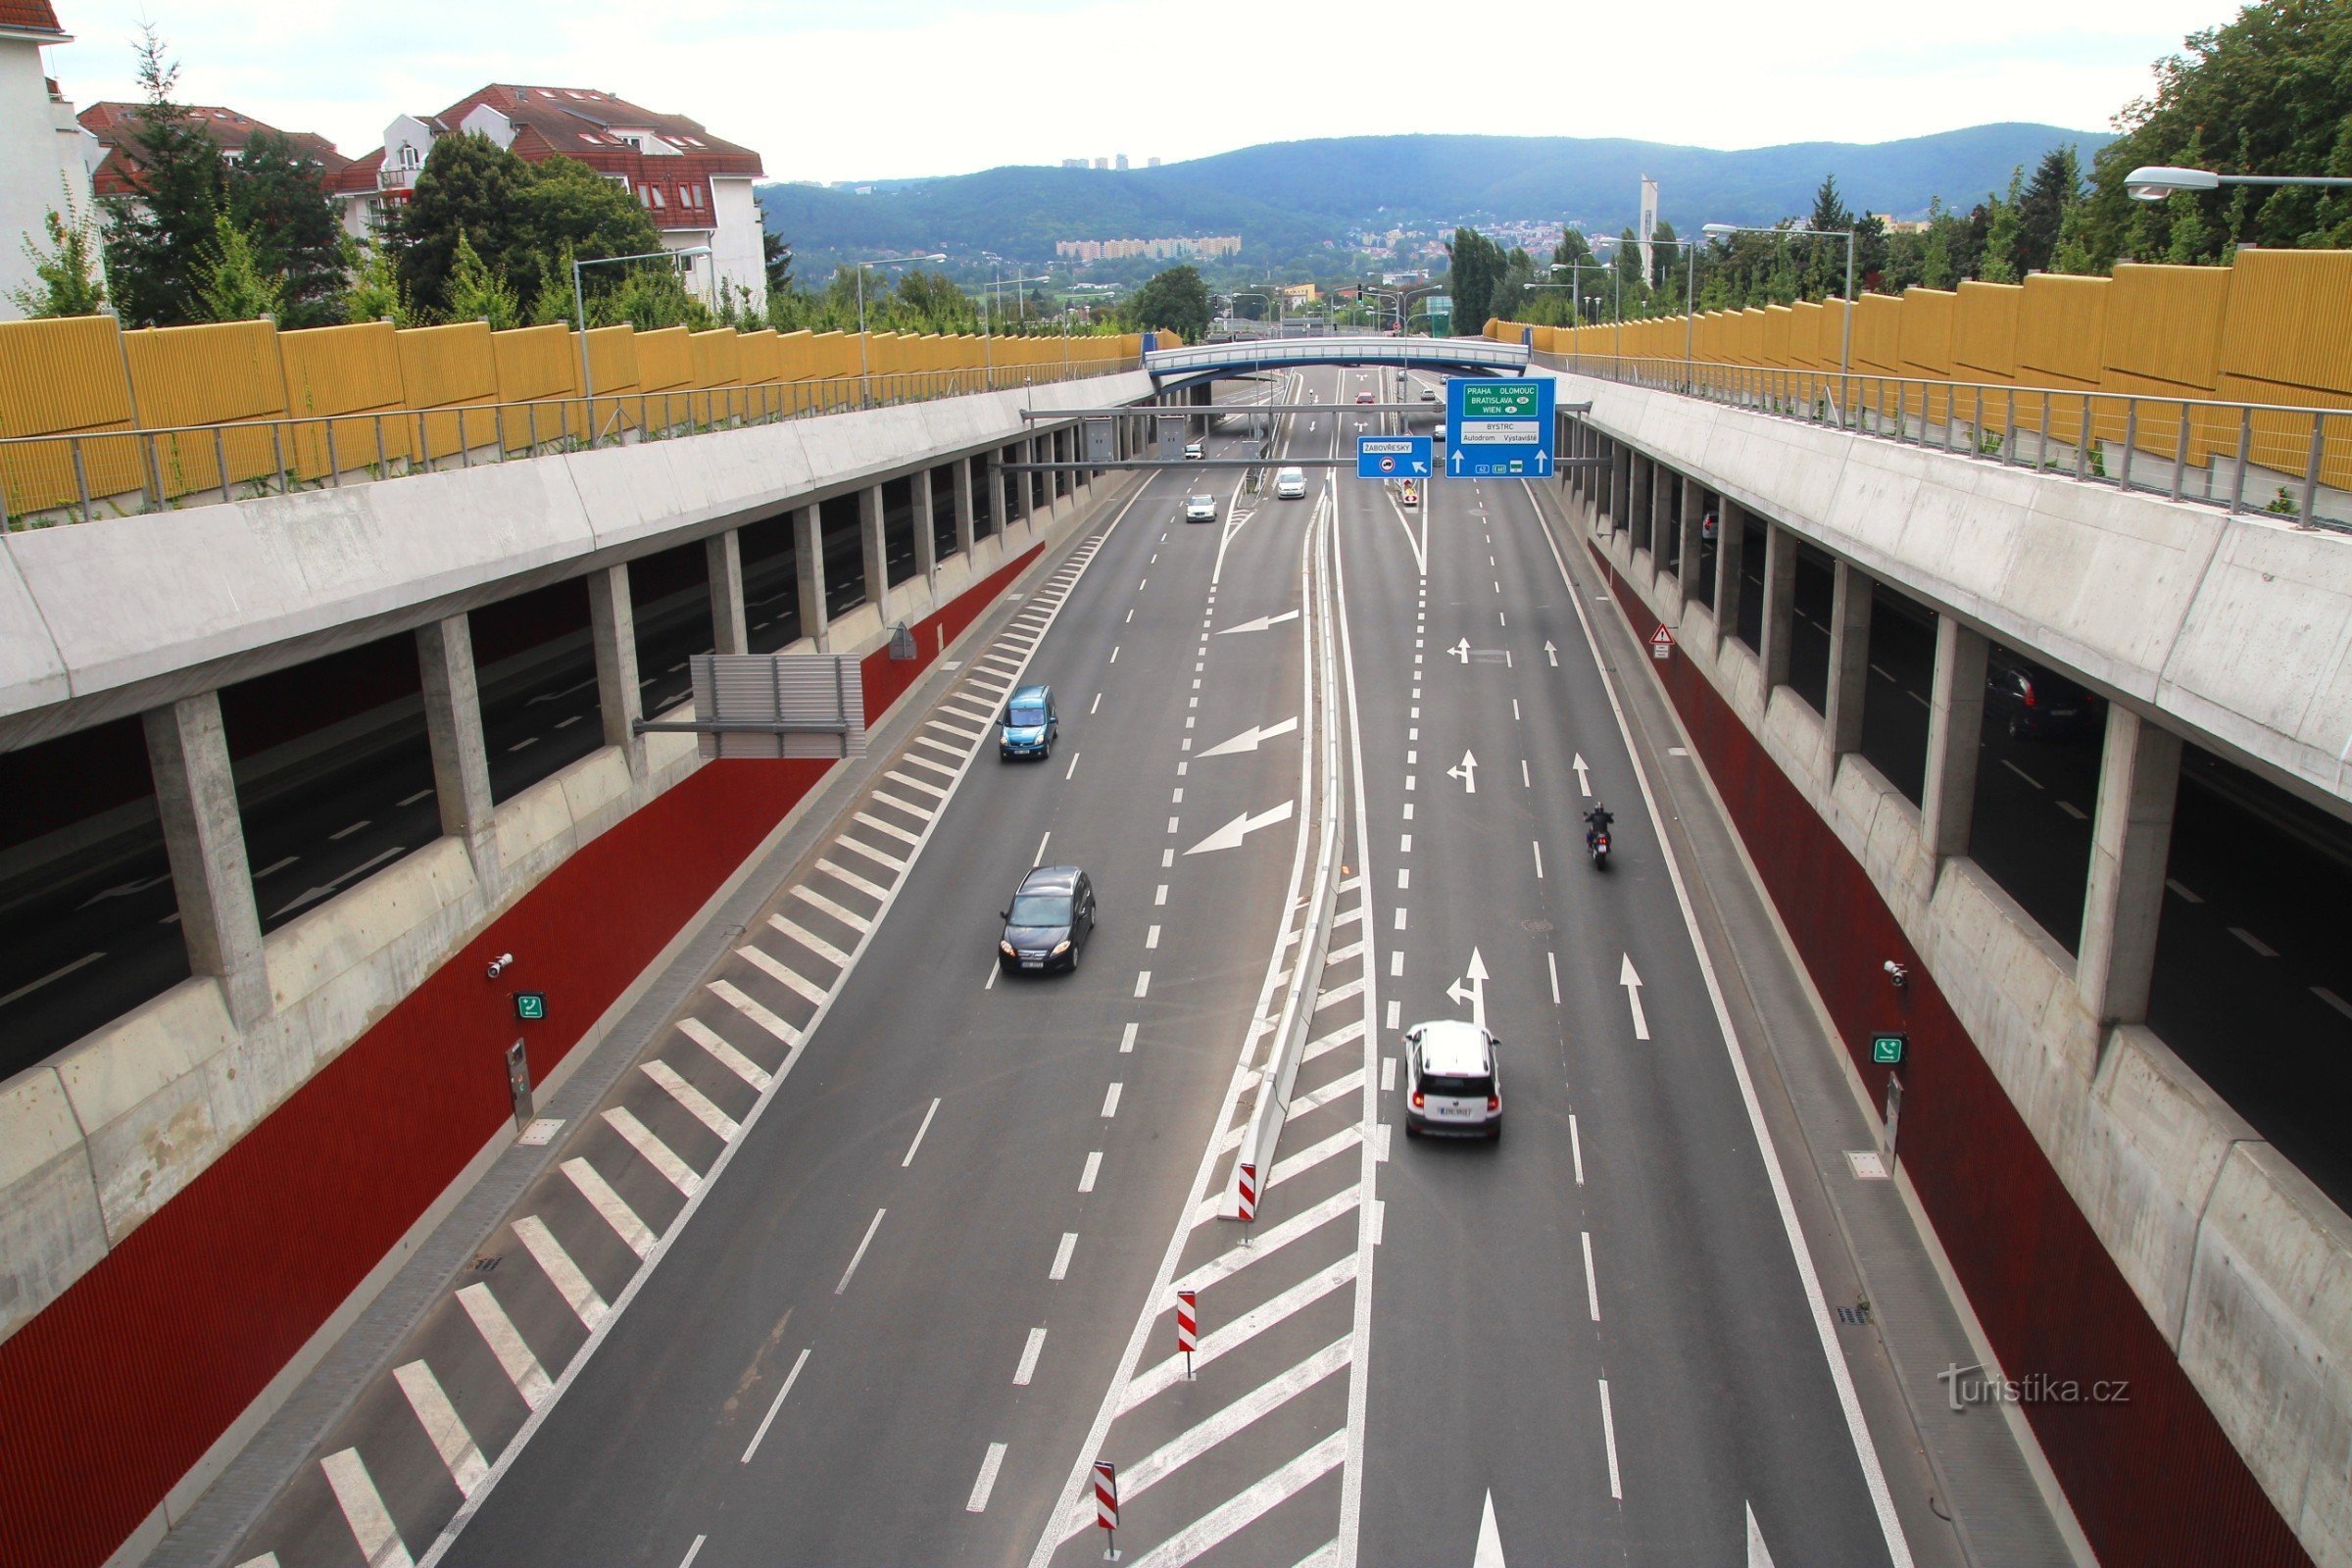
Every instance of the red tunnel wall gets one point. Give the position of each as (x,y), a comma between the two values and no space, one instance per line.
(2153,1481)
(113,1391)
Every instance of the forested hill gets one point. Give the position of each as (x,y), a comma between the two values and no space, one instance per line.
(1287,198)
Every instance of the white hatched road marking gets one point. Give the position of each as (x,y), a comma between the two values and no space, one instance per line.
(459,1452)
(1306,1159)
(658,1154)
(698,1105)
(809,939)
(921,814)
(727,1056)
(1244,1510)
(1348,1082)
(606,1202)
(817,900)
(365,1512)
(956,751)
(726,992)
(870,853)
(782,973)
(1240,1331)
(505,1342)
(872,890)
(562,1272)
(917,759)
(1165,1460)
(1276,1238)
(1332,1042)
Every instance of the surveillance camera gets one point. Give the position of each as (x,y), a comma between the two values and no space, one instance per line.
(501,965)
(1897,973)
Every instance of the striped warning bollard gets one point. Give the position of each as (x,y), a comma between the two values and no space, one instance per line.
(1187,1328)
(1244,1191)
(1107,1506)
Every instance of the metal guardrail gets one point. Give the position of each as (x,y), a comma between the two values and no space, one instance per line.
(2285,460)
(83,476)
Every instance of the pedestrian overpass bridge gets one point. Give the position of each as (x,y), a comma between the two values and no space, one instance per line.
(1203,362)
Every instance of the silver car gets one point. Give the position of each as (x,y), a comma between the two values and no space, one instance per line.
(1453,1081)
(1200,508)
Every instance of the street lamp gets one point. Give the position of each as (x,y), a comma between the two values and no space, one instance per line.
(580,305)
(988,361)
(880,261)
(1845,341)
(2156,182)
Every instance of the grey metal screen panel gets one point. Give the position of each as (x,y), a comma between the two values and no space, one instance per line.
(1099,447)
(1172,435)
(779,705)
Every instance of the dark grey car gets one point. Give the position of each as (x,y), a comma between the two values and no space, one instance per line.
(1053,916)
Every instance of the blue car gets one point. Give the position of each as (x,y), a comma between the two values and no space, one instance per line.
(1029,724)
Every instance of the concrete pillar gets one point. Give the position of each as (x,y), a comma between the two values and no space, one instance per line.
(722,556)
(453,727)
(1731,545)
(809,567)
(1642,474)
(613,627)
(1690,546)
(1849,662)
(1780,603)
(965,518)
(204,839)
(2130,841)
(872,546)
(1955,731)
(1621,484)
(1661,516)
(926,539)
(999,494)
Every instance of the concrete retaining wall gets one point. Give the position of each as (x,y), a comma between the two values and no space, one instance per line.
(2242,1268)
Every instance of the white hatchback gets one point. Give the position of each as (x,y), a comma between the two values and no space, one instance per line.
(1453,1081)
(1290,485)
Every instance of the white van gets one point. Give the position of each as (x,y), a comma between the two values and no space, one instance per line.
(1453,1083)
(1290,485)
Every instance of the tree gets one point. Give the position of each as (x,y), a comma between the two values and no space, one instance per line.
(777,251)
(67,278)
(376,293)
(277,197)
(569,208)
(2042,210)
(156,240)
(478,294)
(1176,299)
(471,190)
(1476,266)
(1999,263)
(231,284)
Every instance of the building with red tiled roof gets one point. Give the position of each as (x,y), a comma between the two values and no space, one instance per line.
(116,126)
(44,155)
(695,187)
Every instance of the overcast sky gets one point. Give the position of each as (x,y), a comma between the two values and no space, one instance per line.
(881,88)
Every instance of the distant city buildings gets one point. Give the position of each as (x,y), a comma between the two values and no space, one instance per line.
(1116,161)
(1190,248)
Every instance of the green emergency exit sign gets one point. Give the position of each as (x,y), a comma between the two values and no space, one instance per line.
(1887,1051)
(530,1006)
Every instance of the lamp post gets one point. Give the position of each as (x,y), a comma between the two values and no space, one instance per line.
(1845,340)
(879,261)
(579,304)
(2155,182)
(988,361)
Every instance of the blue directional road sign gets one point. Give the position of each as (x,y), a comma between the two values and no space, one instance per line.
(1498,427)
(1392,456)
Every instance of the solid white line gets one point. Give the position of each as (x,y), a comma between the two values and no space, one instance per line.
(809,939)
(697,1103)
(460,1454)
(1239,1512)
(1551,963)
(735,1061)
(54,974)
(364,1510)
(506,1342)
(789,1378)
(726,992)
(1608,1432)
(1576,1149)
(1040,859)
(1093,1168)
(918,1135)
(1110,1100)
(1591,1289)
(781,973)
(560,1271)
(1029,1352)
(692,1552)
(1061,1256)
(658,1154)
(858,1256)
(988,1479)
(610,1205)
(1857,1426)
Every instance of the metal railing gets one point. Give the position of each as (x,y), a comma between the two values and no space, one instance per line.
(81,476)
(2284,460)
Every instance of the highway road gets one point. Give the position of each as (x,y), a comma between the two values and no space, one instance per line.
(876,1251)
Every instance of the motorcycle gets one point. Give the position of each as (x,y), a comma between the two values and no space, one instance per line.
(1597,843)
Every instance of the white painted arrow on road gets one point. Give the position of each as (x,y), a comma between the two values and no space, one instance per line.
(1260,623)
(1472,989)
(1552,653)
(1232,833)
(1467,771)
(1633,997)
(1490,1539)
(1584,781)
(1249,739)
(1461,650)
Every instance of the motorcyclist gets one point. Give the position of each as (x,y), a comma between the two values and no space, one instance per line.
(1597,823)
